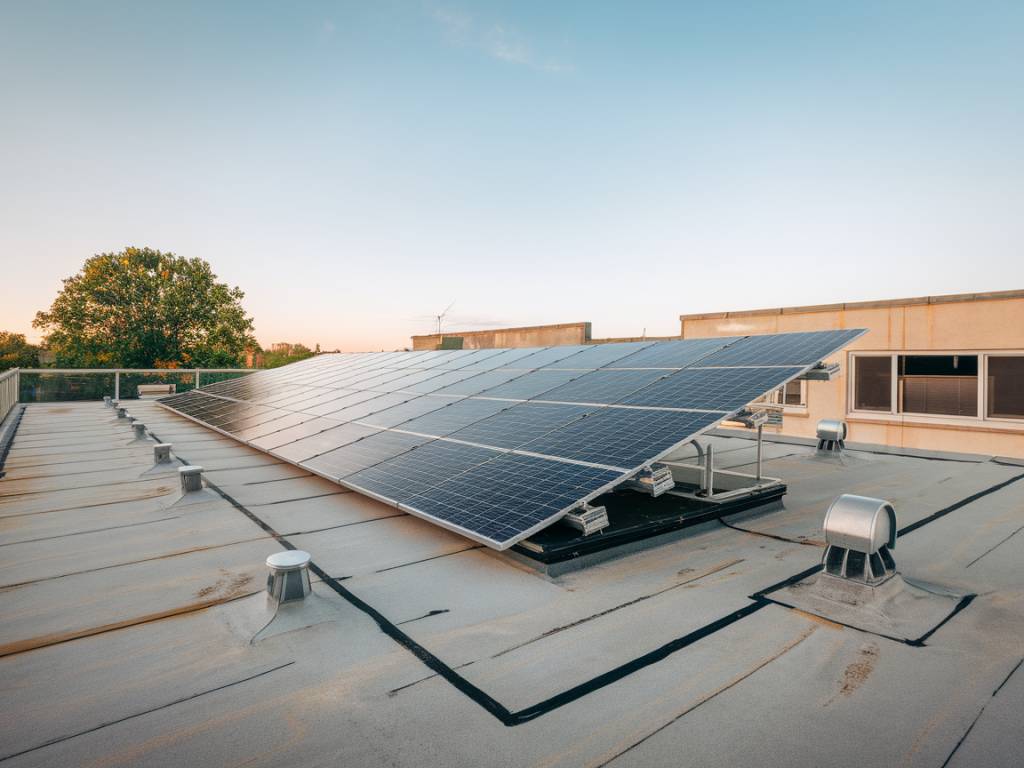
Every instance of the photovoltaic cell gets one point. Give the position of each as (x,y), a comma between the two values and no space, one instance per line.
(783,349)
(672,354)
(621,437)
(711,389)
(604,386)
(498,443)
(520,424)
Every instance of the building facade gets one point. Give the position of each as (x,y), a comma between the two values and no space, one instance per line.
(936,372)
(530,336)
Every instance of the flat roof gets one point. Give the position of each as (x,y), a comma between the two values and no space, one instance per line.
(136,630)
(951,298)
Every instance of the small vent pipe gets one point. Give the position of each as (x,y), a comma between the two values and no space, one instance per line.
(288,577)
(191,478)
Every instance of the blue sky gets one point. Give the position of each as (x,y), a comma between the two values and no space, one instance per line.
(356,167)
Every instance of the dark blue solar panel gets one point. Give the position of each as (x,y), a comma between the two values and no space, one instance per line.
(459,414)
(421,468)
(600,355)
(322,442)
(672,354)
(604,386)
(783,349)
(520,424)
(363,453)
(710,389)
(531,384)
(385,439)
(509,496)
(621,437)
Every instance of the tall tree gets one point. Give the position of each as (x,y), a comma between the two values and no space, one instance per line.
(142,308)
(15,352)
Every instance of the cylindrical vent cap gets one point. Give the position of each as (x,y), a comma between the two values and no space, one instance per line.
(122,412)
(107,401)
(191,478)
(140,430)
(288,578)
(831,429)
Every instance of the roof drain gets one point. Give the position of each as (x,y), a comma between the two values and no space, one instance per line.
(858,585)
(831,436)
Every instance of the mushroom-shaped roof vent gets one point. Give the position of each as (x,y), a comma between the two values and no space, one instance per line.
(860,532)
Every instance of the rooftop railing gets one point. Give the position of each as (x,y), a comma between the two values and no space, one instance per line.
(8,391)
(47,385)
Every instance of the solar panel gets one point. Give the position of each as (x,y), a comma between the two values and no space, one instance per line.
(499,443)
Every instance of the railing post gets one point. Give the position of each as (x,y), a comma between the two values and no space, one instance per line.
(117,385)
(197,378)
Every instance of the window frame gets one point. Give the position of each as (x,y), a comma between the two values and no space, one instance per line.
(895,411)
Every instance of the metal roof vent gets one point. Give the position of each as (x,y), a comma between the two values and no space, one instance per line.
(140,430)
(831,435)
(860,532)
(288,578)
(191,478)
(107,401)
(131,419)
(122,412)
(162,453)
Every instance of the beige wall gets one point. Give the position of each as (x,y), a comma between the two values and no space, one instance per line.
(533,336)
(963,323)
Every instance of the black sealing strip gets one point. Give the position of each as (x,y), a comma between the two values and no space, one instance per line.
(981,711)
(8,438)
(954,507)
(509,718)
(477,695)
(182,700)
(994,547)
(768,535)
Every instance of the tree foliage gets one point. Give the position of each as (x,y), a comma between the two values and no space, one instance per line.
(141,308)
(15,352)
(282,354)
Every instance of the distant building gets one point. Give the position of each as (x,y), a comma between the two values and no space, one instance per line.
(935,372)
(530,336)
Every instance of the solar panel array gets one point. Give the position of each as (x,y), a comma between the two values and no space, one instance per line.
(499,443)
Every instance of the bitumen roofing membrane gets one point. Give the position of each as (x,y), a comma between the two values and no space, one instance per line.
(136,631)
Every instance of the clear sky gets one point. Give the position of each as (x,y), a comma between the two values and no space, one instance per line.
(354,167)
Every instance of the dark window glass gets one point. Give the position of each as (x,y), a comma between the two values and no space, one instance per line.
(944,385)
(873,384)
(1006,387)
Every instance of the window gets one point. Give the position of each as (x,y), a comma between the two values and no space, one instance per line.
(790,394)
(873,383)
(1005,387)
(969,385)
(941,385)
